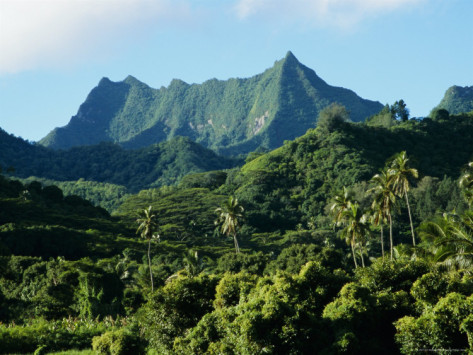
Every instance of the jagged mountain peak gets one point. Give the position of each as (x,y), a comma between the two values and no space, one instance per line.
(289,54)
(104,81)
(232,116)
(177,83)
(132,80)
(290,59)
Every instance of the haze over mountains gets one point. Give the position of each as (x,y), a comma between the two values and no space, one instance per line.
(231,117)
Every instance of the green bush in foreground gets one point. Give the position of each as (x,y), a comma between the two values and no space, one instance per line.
(118,342)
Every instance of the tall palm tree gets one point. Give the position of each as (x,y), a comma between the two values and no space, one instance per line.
(229,216)
(401,174)
(383,203)
(147,227)
(356,229)
(466,184)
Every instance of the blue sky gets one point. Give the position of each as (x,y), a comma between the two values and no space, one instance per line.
(52,53)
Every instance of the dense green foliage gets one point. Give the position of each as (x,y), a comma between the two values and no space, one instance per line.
(232,117)
(72,276)
(45,337)
(103,194)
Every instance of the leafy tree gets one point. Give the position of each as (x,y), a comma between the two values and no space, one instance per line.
(277,314)
(447,325)
(439,114)
(331,117)
(233,287)
(353,308)
(229,217)
(401,174)
(400,111)
(385,118)
(254,263)
(99,294)
(292,258)
(175,308)
(119,342)
(148,226)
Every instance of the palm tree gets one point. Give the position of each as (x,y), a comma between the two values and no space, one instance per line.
(147,226)
(229,216)
(401,174)
(451,237)
(341,202)
(383,202)
(466,184)
(356,229)
(192,263)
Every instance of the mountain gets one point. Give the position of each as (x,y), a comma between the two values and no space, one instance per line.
(153,166)
(457,99)
(231,117)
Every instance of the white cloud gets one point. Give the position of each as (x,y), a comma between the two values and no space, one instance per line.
(320,13)
(42,33)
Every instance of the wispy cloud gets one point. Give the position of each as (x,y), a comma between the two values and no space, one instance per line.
(47,33)
(319,13)
(40,33)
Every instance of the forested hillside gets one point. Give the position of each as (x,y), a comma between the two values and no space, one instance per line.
(457,99)
(231,117)
(160,164)
(302,250)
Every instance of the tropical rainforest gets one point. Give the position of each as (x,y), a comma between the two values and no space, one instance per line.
(354,237)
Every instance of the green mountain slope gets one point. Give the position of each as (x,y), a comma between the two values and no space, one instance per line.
(457,99)
(160,164)
(232,117)
(295,182)
(291,187)
(40,221)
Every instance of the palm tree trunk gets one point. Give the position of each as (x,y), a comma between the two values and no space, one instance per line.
(382,242)
(391,235)
(410,220)
(237,248)
(149,265)
(353,252)
(362,258)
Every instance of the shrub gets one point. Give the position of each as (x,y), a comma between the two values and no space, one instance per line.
(118,342)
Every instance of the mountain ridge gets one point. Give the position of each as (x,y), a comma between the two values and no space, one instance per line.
(231,116)
(156,165)
(457,99)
